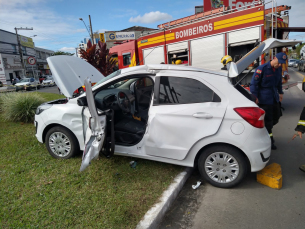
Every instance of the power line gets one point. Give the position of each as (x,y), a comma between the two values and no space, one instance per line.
(42,34)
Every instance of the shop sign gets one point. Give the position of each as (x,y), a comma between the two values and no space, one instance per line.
(26,41)
(120,36)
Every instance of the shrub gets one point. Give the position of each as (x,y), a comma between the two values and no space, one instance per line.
(19,107)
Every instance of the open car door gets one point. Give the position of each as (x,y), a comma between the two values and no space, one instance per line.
(94,127)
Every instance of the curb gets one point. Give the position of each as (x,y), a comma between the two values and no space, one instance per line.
(154,216)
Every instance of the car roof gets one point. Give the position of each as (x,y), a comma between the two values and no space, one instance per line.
(162,67)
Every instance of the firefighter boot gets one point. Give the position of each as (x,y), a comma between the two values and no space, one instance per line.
(302,168)
(273,147)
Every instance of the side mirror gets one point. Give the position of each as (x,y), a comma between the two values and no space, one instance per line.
(82,102)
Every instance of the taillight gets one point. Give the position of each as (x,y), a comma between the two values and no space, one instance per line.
(253,115)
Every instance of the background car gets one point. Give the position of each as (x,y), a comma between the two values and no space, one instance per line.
(27,84)
(48,82)
(296,64)
(291,62)
(80,90)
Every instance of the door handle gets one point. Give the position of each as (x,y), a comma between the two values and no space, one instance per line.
(202,115)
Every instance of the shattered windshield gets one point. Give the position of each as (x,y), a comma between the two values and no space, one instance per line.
(116,73)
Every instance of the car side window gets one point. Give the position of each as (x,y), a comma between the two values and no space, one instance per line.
(178,90)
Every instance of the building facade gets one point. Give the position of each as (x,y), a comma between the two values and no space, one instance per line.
(41,61)
(10,61)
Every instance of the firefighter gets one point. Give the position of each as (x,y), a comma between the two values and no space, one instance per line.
(266,85)
(226,62)
(300,130)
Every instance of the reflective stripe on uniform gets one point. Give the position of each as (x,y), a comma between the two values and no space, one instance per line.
(301,122)
(270,135)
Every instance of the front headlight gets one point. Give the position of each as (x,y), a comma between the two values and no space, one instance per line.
(42,108)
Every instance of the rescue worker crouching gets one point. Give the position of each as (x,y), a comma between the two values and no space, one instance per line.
(266,85)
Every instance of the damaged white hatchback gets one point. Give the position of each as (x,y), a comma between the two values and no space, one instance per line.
(173,114)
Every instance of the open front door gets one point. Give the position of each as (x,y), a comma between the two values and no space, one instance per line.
(94,126)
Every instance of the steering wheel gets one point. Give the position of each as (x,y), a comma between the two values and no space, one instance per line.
(124,102)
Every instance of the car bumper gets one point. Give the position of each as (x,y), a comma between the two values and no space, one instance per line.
(40,126)
(259,149)
(47,84)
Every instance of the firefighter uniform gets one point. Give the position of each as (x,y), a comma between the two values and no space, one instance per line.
(301,124)
(301,128)
(266,85)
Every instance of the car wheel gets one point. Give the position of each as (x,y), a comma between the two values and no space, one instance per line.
(81,91)
(61,142)
(222,166)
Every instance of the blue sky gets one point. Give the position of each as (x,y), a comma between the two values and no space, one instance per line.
(57,26)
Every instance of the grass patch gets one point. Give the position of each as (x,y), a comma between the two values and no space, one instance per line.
(21,107)
(38,191)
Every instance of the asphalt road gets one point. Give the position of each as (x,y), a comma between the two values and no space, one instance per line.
(48,90)
(252,205)
(53,89)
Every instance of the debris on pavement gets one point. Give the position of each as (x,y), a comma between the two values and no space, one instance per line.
(133,164)
(197,185)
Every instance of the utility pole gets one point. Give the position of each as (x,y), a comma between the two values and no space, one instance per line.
(19,45)
(91,30)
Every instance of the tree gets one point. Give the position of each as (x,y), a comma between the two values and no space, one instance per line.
(298,49)
(62,53)
(98,56)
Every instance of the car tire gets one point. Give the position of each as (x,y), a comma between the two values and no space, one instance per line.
(214,169)
(81,91)
(61,143)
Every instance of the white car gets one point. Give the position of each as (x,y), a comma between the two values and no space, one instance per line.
(168,113)
(48,82)
(27,84)
(291,62)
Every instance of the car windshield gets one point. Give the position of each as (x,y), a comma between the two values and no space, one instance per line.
(49,78)
(292,60)
(24,80)
(116,73)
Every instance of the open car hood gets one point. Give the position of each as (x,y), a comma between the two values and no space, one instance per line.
(69,73)
(250,57)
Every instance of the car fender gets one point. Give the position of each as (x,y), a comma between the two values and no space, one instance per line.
(67,115)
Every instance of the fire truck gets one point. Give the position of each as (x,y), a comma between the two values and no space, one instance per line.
(202,39)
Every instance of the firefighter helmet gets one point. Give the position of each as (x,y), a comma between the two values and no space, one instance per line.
(178,62)
(226,59)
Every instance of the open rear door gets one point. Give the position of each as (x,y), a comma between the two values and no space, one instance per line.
(94,126)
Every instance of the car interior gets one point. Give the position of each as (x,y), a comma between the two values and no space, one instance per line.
(129,99)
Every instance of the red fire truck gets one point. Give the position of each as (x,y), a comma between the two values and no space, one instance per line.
(201,40)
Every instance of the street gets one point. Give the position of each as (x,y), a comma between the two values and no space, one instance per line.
(252,205)
(45,89)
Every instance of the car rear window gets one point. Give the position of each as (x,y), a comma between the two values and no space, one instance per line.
(245,92)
